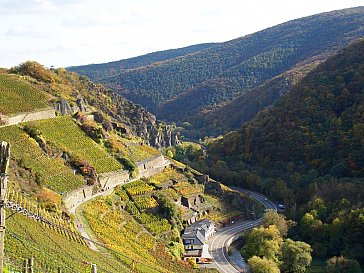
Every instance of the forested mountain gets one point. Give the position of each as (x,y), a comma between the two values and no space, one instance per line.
(308,152)
(244,108)
(97,72)
(180,88)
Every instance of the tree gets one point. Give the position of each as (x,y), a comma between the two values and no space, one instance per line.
(342,265)
(263,242)
(296,256)
(262,265)
(271,217)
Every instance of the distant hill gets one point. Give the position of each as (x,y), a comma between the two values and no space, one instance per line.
(315,130)
(307,151)
(232,115)
(180,88)
(97,72)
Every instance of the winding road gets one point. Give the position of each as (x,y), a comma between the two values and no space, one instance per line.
(219,243)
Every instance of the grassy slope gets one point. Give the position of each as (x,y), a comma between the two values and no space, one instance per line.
(26,238)
(28,154)
(65,134)
(19,96)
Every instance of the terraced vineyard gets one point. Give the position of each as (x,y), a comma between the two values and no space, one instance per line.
(18,96)
(167,175)
(50,171)
(145,202)
(66,134)
(141,152)
(185,188)
(137,187)
(26,238)
(122,233)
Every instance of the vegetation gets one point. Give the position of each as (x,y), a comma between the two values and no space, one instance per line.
(137,187)
(167,175)
(64,133)
(45,171)
(267,250)
(19,96)
(100,71)
(27,238)
(119,231)
(307,152)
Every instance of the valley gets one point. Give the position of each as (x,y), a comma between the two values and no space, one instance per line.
(236,156)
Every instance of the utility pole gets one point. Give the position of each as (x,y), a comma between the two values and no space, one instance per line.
(4,164)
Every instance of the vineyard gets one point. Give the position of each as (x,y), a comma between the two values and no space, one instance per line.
(18,96)
(185,188)
(167,175)
(50,171)
(65,134)
(26,238)
(137,187)
(141,152)
(145,202)
(119,231)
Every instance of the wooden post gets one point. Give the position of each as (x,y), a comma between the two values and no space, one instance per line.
(31,265)
(4,164)
(93,268)
(59,270)
(25,266)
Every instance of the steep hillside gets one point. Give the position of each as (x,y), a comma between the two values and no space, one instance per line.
(27,97)
(307,151)
(30,87)
(179,88)
(97,72)
(231,116)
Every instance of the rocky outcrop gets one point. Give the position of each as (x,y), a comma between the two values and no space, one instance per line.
(165,136)
(63,108)
(132,118)
(81,104)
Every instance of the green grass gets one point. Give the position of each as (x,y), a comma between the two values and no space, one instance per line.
(66,134)
(26,238)
(52,171)
(18,96)
(137,187)
(167,175)
(141,152)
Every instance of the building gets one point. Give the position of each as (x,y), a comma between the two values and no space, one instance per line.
(194,240)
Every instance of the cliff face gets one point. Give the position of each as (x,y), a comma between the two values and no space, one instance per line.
(135,120)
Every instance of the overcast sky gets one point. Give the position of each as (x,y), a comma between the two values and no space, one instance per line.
(66,32)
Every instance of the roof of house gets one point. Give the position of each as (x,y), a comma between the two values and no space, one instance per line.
(197,231)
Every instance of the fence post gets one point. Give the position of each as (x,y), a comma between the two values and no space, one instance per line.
(31,265)
(25,266)
(4,164)
(93,268)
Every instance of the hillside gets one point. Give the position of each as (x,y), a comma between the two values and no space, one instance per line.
(180,88)
(97,72)
(307,152)
(28,98)
(84,167)
(232,115)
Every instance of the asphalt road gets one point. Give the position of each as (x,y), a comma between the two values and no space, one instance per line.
(220,242)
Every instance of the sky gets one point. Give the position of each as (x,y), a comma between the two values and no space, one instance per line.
(63,33)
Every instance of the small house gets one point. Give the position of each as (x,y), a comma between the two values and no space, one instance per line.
(195,239)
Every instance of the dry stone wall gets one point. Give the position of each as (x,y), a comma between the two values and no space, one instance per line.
(109,181)
(44,114)
(112,179)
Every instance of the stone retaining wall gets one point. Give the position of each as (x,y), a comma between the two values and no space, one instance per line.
(108,181)
(112,179)
(77,196)
(44,114)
